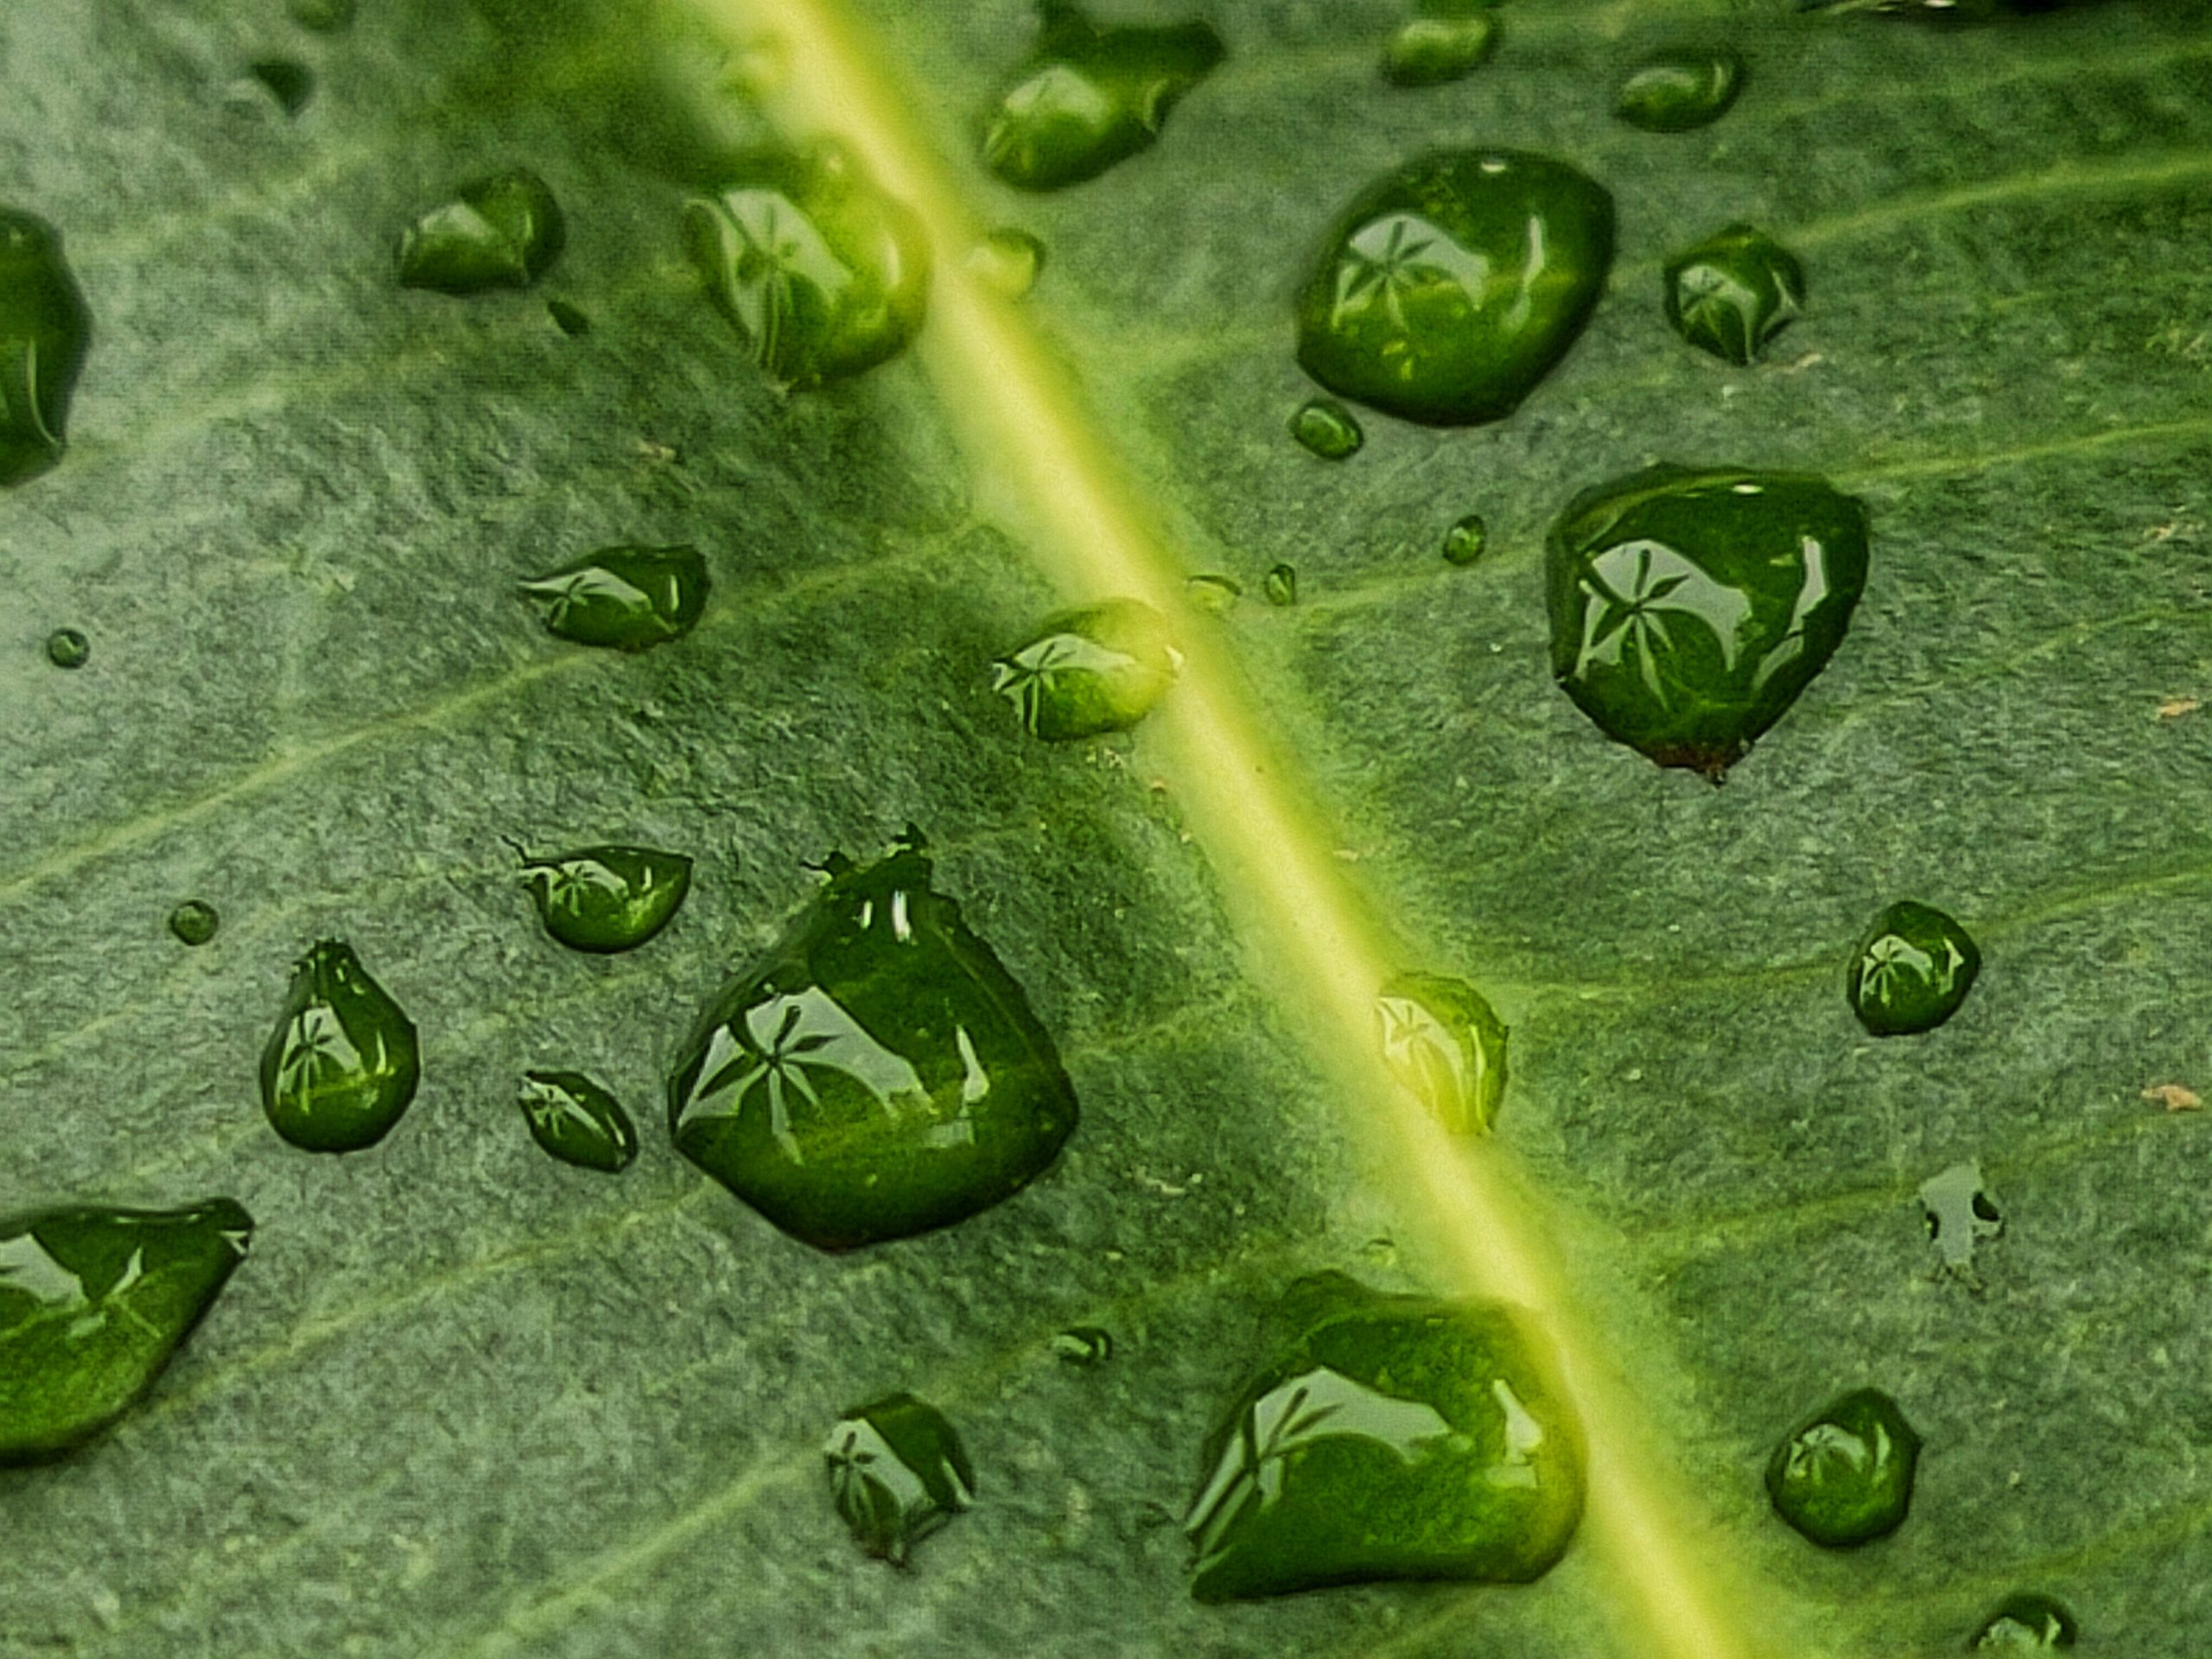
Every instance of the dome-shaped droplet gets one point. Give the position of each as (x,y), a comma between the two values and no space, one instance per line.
(2026,1623)
(1443,41)
(1446,1045)
(68,648)
(1911,971)
(1733,292)
(343,1062)
(1098,669)
(1008,261)
(499,232)
(577,1121)
(897,1473)
(194,922)
(1844,1476)
(45,332)
(628,598)
(1327,428)
(1680,88)
(608,899)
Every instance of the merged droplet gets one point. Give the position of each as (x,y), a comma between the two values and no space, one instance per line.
(1387,1437)
(897,1473)
(1327,427)
(578,1120)
(194,922)
(68,648)
(1008,261)
(1911,971)
(1733,292)
(1281,584)
(878,1073)
(499,232)
(2026,1623)
(1446,1045)
(1452,285)
(1844,1475)
(1099,669)
(1680,88)
(1465,541)
(44,331)
(1689,609)
(608,899)
(630,598)
(1090,97)
(343,1062)
(93,1301)
(822,275)
(1443,41)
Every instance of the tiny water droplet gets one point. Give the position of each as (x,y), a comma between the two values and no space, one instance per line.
(1911,970)
(1098,669)
(343,1062)
(876,1074)
(1733,292)
(1090,97)
(1327,427)
(1084,1345)
(1212,592)
(567,319)
(323,16)
(897,1473)
(1443,41)
(608,899)
(629,598)
(499,232)
(94,1300)
(287,81)
(1465,541)
(1680,88)
(44,331)
(1690,608)
(577,1121)
(195,921)
(68,648)
(1844,1476)
(1281,585)
(1446,1045)
(1008,261)
(2026,1623)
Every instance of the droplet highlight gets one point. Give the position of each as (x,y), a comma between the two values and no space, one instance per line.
(898,1473)
(1446,1045)
(501,232)
(2026,1623)
(1088,671)
(45,332)
(344,1060)
(607,900)
(1733,292)
(1680,88)
(1327,428)
(1911,971)
(194,922)
(1444,41)
(578,1120)
(626,598)
(68,648)
(1844,1476)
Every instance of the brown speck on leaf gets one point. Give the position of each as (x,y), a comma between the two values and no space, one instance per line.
(2175,707)
(2174,1097)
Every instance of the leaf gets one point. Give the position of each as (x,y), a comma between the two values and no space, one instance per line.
(465,1401)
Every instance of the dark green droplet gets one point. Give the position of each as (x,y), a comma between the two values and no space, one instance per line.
(68,648)
(629,597)
(195,921)
(1733,292)
(1443,41)
(897,1473)
(577,1121)
(1465,541)
(343,1062)
(92,1303)
(1446,1045)
(1844,1475)
(1911,971)
(1452,286)
(323,16)
(291,82)
(822,275)
(1212,592)
(499,232)
(1090,97)
(567,319)
(1327,426)
(1680,88)
(44,331)
(608,899)
(879,1073)
(1008,261)
(1281,585)
(1689,609)
(1083,1345)
(2026,1623)
(1099,669)
(1387,1437)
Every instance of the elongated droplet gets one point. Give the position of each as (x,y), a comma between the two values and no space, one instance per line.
(1212,592)
(629,598)
(499,232)
(1327,426)
(1452,286)
(1281,585)
(194,922)
(1680,88)
(897,1473)
(68,648)
(1689,609)
(1911,971)
(1443,41)
(1446,1045)
(1083,1345)
(823,275)
(44,331)
(323,16)
(343,1062)
(1090,97)
(1387,1436)
(2026,1623)
(92,1303)
(577,1121)
(878,1073)
(1733,292)
(1465,541)
(1844,1476)
(1099,669)
(1008,261)
(608,899)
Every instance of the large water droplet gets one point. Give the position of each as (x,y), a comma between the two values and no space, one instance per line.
(1387,1436)
(194,922)
(1090,97)
(1680,88)
(1733,292)
(1844,1476)
(1689,609)
(44,331)
(897,1473)
(628,597)
(1452,285)
(92,1303)
(1464,541)
(1008,261)
(499,232)
(1446,1045)
(577,1121)
(1327,427)
(68,648)
(878,1073)
(1099,669)
(2026,1623)
(343,1062)
(1911,971)
(608,899)
(1443,41)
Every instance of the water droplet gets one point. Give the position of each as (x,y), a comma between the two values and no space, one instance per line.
(1844,1475)
(1452,286)
(1008,261)
(1689,609)
(287,81)
(323,16)
(1099,669)
(877,1073)
(822,275)
(897,1473)
(1911,971)
(1680,88)
(628,597)
(1084,1345)
(93,1301)
(68,648)
(1213,593)
(1443,41)
(1465,541)
(1281,585)
(1090,97)
(577,1121)
(1960,1215)
(608,899)
(1733,292)
(2026,1623)
(1446,1045)
(567,319)
(195,921)
(1327,426)
(342,1063)
(1387,1437)
(44,331)
(499,232)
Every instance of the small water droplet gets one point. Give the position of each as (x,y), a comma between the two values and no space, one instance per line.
(1212,592)
(897,1473)
(1911,970)
(499,232)
(629,598)
(1281,585)
(567,319)
(323,16)
(2026,1623)
(68,648)
(343,1062)
(195,921)
(1733,292)
(1099,669)
(1465,541)
(1844,1476)
(1090,96)
(1084,1345)
(1008,261)
(608,899)
(44,331)
(1446,1045)
(286,82)
(1443,41)
(1680,88)
(577,1121)
(1327,427)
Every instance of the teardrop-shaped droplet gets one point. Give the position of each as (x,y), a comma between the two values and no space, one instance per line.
(1098,669)
(2026,1623)
(1452,285)
(897,1473)
(1689,609)
(194,922)
(879,1073)
(323,16)
(1680,88)
(1443,41)
(93,1301)
(1327,427)
(499,232)
(1387,1437)
(343,1062)
(1911,971)
(629,598)
(44,331)
(577,1121)
(1465,541)
(608,899)
(68,648)
(1446,1045)
(1212,592)
(1281,585)
(1090,97)
(1844,1476)
(1733,292)
(1008,261)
